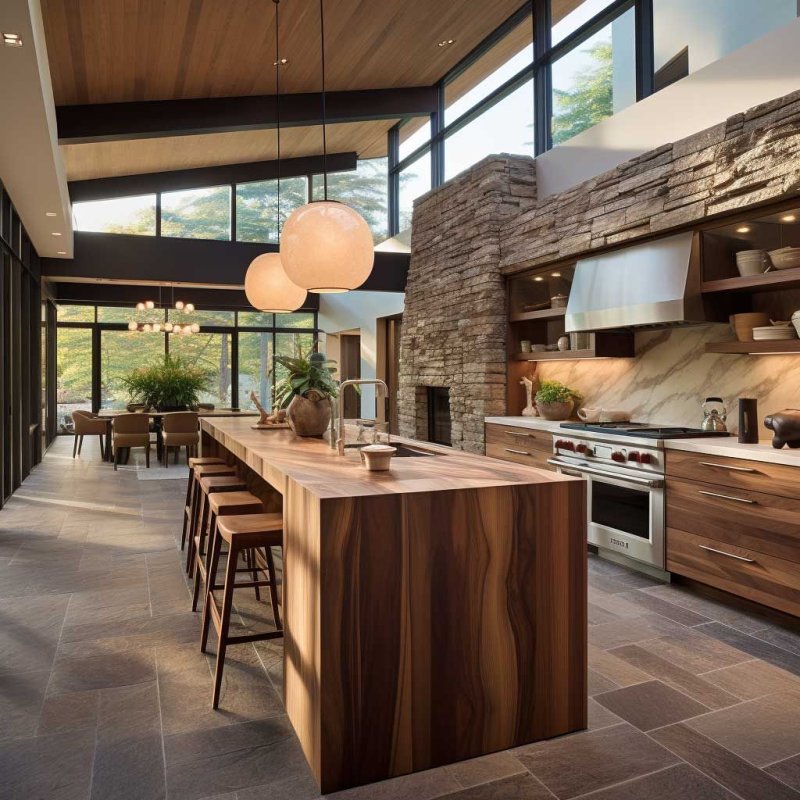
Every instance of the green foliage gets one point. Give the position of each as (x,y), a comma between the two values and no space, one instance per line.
(591,98)
(310,377)
(173,383)
(556,392)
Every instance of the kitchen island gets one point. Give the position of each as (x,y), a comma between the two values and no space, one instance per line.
(432,613)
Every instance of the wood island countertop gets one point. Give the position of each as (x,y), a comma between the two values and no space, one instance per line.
(279,454)
(433,613)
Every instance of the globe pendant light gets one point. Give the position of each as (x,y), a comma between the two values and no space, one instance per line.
(326,246)
(266,284)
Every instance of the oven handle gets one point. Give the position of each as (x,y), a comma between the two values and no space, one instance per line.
(653,484)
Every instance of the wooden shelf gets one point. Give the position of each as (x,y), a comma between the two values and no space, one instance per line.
(543,313)
(766,282)
(557,355)
(750,348)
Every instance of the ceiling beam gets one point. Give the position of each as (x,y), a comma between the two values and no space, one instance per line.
(105,122)
(156,259)
(175,180)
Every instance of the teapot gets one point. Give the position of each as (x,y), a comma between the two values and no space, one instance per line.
(714,415)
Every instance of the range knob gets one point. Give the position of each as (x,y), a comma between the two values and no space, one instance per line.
(565,444)
(618,456)
(635,455)
(581,448)
(645,458)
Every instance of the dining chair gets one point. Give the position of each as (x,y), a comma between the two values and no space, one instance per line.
(179,429)
(131,430)
(87,424)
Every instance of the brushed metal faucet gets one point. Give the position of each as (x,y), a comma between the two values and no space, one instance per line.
(377,383)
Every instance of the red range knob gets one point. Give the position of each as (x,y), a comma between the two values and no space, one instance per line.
(635,455)
(618,456)
(581,448)
(645,458)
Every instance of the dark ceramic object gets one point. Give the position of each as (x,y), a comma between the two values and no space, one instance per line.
(785,426)
(308,417)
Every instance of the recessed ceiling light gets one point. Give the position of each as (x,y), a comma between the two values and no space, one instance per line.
(555,274)
(538,278)
(62,252)
(789,218)
(12,39)
(283,62)
(446,42)
(50,214)
(56,233)
(743,229)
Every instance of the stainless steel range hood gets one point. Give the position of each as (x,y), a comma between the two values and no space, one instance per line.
(648,285)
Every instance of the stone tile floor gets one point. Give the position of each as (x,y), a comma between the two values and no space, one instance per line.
(104,693)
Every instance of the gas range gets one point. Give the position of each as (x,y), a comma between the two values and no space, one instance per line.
(642,429)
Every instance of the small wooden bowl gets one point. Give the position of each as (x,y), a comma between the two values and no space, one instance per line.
(377,457)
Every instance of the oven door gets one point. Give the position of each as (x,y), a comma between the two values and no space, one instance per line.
(625,513)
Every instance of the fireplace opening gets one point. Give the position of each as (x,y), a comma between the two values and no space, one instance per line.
(439,415)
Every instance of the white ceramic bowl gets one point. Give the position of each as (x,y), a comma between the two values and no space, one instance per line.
(785,257)
(751,262)
(796,321)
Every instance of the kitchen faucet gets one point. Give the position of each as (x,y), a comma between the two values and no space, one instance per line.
(342,386)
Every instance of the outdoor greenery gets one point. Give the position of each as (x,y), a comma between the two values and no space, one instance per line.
(307,376)
(556,392)
(590,99)
(169,384)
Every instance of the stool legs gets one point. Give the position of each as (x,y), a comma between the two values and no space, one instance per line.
(225,618)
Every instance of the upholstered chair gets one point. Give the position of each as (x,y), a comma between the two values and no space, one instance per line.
(131,430)
(179,429)
(87,424)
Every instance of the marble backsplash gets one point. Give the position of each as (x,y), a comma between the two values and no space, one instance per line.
(672,374)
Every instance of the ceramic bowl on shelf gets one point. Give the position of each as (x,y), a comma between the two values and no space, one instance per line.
(538,348)
(785,257)
(796,321)
(743,324)
(752,262)
(559,301)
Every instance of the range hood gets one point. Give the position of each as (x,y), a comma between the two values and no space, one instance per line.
(649,285)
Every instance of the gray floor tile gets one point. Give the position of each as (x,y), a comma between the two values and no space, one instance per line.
(757,648)
(650,705)
(631,631)
(752,679)
(101,672)
(487,768)
(515,787)
(787,771)
(21,699)
(129,767)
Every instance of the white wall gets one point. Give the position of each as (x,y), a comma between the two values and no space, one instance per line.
(358,312)
(753,74)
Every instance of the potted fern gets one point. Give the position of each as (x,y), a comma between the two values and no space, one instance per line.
(306,391)
(555,401)
(170,385)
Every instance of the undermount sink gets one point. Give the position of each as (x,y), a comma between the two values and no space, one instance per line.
(404,451)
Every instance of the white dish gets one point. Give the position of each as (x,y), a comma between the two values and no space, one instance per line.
(751,262)
(785,257)
(796,321)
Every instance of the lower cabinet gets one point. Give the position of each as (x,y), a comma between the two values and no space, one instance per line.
(520,445)
(732,525)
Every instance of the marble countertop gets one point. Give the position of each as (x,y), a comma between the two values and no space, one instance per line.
(717,446)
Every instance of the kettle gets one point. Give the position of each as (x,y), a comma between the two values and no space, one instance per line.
(714,415)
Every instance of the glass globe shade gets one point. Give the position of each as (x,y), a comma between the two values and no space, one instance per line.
(132,326)
(188,308)
(327,247)
(168,327)
(195,328)
(149,304)
(140,306)
(269,289)
(186,330)
(147,327)
(179,305)
(176,329)
(157,327)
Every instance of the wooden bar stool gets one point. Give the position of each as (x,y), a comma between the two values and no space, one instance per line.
(254,533)
(219,504)
(191,509)
(194,462)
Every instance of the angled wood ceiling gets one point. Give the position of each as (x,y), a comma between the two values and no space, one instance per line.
(105,51)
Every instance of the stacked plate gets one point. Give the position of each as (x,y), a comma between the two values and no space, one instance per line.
(774,333)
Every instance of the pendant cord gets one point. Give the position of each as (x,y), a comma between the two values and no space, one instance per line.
(324,132)
(278,109)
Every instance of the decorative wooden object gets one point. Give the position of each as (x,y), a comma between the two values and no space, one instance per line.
(432,614)
(266,420)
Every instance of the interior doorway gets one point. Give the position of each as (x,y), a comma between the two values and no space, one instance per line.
(350,369)
(389,330)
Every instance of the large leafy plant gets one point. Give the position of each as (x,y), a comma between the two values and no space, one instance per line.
(556,392)
(171,383)
(310,377)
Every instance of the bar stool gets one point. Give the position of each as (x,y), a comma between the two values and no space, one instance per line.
(219,504)
(252,532)
(192,508)
(194,462)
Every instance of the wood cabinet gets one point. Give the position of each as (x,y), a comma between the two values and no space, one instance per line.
(520,445)
(735,524)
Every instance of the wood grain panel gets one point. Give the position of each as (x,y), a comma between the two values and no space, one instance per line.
(774,582)
(512,452)
(521,438)
(736,473)
(104,51)
(766,523)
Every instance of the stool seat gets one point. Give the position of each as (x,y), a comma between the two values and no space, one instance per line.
(213,469)
(262,525)
(196,461)
(223,503)
(225,483)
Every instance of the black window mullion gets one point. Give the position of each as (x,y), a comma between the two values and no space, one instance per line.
(645,49)
(234,339)
(393,148)
(542,77)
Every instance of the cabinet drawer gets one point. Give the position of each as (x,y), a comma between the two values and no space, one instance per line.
(519,438)
(764,522)
(764,579)
(519,454)
(736,473)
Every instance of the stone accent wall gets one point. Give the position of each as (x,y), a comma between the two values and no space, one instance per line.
(751,158)
(454,324)
(486,223)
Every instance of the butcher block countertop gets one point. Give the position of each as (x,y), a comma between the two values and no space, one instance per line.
(279,454)
(433,613)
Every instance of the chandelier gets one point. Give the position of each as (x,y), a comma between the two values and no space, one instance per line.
(180,328)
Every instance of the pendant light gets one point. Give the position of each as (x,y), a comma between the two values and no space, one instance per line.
(326,245)
(266,284)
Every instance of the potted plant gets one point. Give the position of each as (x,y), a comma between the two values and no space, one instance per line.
(170,385)
(306,391)
(555,400)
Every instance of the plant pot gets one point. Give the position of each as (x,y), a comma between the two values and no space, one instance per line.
(308,417)
(167,409)
(556,411)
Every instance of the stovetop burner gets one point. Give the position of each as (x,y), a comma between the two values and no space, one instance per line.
(642,429)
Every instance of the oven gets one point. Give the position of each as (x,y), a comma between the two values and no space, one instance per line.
(625,509)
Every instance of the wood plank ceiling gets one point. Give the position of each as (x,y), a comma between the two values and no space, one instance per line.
(104,51)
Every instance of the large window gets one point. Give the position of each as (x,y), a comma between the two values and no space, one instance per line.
(257,207)
(136,215)
(120,353)
(415,180)
(211,352)
(256,372)
(569,15)
(197,213)
(595,80)
(73,373)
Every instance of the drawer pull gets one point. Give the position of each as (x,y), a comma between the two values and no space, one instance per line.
(517,452)
(723,553)
(726,466)
(729,497)
(514,433)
